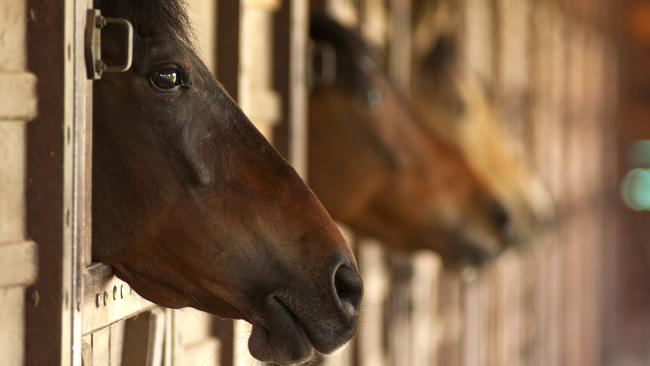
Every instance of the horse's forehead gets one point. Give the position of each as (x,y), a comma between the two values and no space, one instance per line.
(169,44)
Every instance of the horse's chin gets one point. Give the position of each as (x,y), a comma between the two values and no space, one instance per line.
(457,248)
(464,253)
(472,256)
(290,333)
(281,339)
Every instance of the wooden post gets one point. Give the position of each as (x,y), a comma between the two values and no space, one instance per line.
(17,106)
(399,57)
(44,191)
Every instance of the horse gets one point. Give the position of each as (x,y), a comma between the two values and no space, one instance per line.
(459,107)
(380,172)
(194,208)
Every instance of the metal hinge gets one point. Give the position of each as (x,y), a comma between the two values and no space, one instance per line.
(95,65)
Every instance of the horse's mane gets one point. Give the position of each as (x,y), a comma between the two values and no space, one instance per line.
(352,53)
(153,19)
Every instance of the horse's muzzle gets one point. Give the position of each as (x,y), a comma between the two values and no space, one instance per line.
(296,323)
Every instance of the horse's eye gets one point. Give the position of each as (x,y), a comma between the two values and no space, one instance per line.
(374,98)
(167,81)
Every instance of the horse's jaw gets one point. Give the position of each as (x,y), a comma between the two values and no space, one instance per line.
(177,295)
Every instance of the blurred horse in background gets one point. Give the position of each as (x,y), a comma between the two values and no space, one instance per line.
(378,170)
(457,106)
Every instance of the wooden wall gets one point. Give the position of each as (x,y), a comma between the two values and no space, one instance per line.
(627,295)
(17,106)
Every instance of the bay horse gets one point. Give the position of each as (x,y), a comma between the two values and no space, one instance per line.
(458,107)
(377,170)
(193,207)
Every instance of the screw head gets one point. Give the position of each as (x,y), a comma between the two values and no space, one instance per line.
(100,66)
(35,297)
(100,21)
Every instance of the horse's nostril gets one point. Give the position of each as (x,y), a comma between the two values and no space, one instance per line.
(501,217)
(348,289)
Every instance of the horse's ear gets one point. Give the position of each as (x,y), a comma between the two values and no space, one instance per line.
(323,65)
(442,58)
(422,10)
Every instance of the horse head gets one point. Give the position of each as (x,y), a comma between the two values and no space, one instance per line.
(193,207)
(378,170)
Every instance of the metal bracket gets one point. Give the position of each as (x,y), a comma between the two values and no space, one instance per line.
(95,66)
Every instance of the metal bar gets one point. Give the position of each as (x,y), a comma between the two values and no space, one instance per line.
(298,86)
(144,339)
(75,189)
(228,46)
(399,58)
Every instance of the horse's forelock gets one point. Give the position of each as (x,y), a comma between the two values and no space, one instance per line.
(356,61)
(153,18)
(443,57)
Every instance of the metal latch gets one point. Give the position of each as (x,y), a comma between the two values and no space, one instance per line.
(95,65)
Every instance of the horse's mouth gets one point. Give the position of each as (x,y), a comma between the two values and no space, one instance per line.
(471,247)
(282,338)
(289,335)
(462,250)
(468,254)
(457,248)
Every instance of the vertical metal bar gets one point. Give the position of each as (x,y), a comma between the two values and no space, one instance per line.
(228,46)
(172,345)
(227,72)
(399,58)
(401,296)
(257,100)
(298,86)
(84,121)
(68,357)
(370,338)
(76,180)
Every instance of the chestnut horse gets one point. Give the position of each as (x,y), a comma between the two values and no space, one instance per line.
(458,107)
(193,207)
(376,169)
